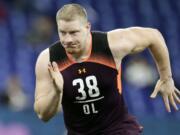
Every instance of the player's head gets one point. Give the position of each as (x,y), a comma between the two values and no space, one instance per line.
(73,27)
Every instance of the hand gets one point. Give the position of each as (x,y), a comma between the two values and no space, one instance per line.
(56,76)
(169,93)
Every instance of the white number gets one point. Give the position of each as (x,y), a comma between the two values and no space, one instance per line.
(93,89)
(81,89)
(91,83)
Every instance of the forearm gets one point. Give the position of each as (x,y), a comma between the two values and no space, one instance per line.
(47,105)
(161,56)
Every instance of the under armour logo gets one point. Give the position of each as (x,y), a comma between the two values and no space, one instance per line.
(80,71)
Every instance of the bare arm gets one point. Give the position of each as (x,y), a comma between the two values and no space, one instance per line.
(48,93)
(136,39)
(133,40)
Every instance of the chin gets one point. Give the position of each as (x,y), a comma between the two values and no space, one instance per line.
(72,51)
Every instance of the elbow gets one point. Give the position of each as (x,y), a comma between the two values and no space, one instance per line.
(42,116)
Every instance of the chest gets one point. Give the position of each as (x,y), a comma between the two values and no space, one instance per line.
(88,81)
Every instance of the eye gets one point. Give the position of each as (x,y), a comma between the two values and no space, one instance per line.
(62,32)
(73,32)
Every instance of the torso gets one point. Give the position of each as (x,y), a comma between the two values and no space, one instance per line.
(92,100)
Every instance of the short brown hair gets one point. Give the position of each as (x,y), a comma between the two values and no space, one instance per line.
(71,12)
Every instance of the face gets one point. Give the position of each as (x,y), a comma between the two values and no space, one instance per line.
(73,35)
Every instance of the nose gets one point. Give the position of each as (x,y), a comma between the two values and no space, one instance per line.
(68,39)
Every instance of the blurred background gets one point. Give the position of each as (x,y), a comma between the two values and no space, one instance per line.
(28,26)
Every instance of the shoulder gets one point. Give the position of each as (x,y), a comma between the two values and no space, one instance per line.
(42,62)
(56,45)
(43,56)
(129,30)
(57,52)
(131,34)
(99,35)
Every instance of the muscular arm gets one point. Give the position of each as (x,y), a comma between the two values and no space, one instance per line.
(47,94)
(132,40)
(135,39)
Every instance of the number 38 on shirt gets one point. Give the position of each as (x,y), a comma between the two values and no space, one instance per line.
(93,92)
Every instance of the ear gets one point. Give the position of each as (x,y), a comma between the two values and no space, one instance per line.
(88,26)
